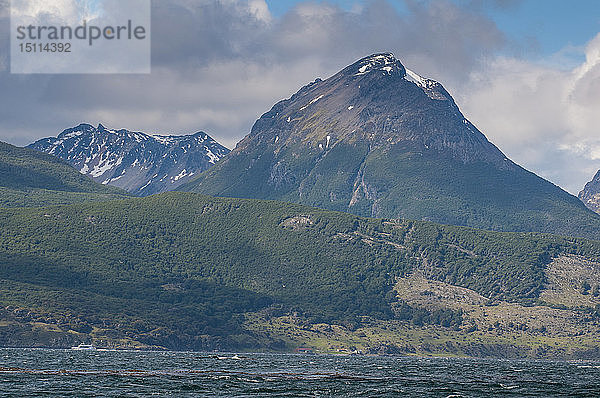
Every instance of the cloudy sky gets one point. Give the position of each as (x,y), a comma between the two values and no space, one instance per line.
(526,72)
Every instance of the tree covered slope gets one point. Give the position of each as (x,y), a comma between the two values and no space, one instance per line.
(182,270)
(32,178)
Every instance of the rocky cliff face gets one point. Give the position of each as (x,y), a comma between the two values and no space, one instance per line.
(377,139)
(139,163)
(378,101)
(590,195)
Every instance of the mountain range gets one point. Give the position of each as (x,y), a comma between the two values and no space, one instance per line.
(378,140)
(182,270)
(141,164)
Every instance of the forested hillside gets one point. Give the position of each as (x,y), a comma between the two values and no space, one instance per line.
(183,270)
(32,178)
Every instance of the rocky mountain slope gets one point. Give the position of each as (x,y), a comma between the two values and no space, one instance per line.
(590,195)
(139,163)
(378,140)
(31,178)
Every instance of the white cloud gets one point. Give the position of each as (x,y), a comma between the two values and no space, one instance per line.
(260,10)
(228,61)
(544,117)
(55,10)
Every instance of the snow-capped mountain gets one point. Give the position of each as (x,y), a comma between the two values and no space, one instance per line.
(377,139)
(140,163)
(590,195)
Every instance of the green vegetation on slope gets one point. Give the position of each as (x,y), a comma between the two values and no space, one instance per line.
(401,181)
(180,270)
(32,178)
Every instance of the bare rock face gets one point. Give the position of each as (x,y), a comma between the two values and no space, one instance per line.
(590,195)
(375,100)
(378,140)
(139,163)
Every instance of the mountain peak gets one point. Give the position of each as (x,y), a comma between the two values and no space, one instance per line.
(381,65)
(137,162)
(383,62)
(375,101)
(377,140)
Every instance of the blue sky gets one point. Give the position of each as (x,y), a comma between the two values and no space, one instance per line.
(544,27)
(554,24)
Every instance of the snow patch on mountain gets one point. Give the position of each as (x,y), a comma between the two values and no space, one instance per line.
(382,62)
(413,77)
(433,89)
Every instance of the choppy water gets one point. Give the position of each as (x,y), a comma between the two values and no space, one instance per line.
(40,373)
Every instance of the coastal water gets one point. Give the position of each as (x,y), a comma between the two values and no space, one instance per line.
(45,373)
